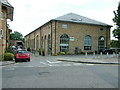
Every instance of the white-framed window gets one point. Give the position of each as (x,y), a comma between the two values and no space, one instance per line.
(64,43)
(64,26)
(87,43)
(101,43)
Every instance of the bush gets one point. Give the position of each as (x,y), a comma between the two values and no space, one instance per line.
(61,53)
(39,51)
(69,53)
(54,54)
(82,52)
(1,57)
(8,56)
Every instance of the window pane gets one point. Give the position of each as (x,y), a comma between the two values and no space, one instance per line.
(64,43)
(87,43)
(101,43)
(87,47)
(64,26)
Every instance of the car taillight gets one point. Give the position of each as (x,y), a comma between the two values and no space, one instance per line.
(16,55)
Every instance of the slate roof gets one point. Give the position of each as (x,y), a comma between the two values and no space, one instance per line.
(10,9)
(75,18)
(5,2)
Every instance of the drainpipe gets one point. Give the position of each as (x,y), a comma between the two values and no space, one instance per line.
(55,36)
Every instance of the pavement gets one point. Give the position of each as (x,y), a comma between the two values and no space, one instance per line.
(77,59)
(3,63)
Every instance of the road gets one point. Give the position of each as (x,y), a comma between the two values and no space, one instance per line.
(46,72)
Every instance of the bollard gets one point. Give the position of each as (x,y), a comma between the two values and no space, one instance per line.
(107,53)
(93,53)
(101,54)
(113,54)
(86,54)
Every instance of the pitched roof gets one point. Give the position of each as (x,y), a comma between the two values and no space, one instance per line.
(10,9)
(5,2)
(75,18)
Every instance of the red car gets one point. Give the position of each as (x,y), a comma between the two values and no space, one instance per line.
(22,56)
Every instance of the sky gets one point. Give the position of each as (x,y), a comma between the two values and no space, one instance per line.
(31,14)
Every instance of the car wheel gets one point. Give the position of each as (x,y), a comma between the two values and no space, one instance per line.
(16,61)
(28,60)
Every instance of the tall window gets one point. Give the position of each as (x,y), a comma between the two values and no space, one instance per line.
(101,42)
(42,43)
(64,43)
(87,43)
(37,42)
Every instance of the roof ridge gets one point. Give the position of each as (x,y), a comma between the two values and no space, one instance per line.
(72,17)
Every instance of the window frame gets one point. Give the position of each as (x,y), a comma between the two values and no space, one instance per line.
(101,42)
(65,26)
(87,42)
(64,43)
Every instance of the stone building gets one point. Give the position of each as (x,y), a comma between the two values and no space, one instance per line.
(69,33)
(6,12)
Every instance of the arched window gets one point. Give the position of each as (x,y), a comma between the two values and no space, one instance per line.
(64,43)
(37,42)
(42,43)
(101,43)
(87,43)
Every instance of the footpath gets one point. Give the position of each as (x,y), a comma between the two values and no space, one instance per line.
(90,59)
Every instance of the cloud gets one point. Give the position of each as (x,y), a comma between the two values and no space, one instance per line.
(30,14)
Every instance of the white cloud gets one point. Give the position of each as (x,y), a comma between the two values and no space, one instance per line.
(30,14)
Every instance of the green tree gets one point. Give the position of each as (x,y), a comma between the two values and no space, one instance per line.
(114,43)
(116,32)
(16,36)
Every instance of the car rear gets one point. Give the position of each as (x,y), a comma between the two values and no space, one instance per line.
(22,57)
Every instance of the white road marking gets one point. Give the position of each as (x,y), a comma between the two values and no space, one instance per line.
(46,64)
(42,62)
(77,64)
(54,62)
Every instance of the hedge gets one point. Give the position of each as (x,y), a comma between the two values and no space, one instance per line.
(8,56)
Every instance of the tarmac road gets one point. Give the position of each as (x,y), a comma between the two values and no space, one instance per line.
(46,72)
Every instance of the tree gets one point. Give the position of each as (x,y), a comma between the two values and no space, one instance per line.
(16,36)
(116,19)
(114,44)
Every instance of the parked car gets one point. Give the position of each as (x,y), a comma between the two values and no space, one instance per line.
(105,51)
(22,55)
